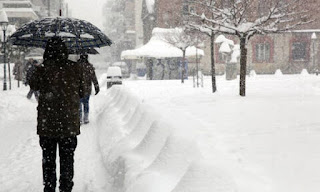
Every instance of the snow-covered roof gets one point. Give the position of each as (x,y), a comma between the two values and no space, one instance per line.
(21,12)
(225,44)
(114,71)
(158,48)
(224,48)
(150,5)
(222,38)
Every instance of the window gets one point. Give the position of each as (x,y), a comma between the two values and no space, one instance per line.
(222,58)
(191,9)
(187,8)
(299,51)
(263,52)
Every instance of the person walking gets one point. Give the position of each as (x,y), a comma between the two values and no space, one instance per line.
(60,82)
(89,78)
(30,70)
(18,70)
(27,65)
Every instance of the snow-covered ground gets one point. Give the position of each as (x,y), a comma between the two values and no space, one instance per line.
(162,136)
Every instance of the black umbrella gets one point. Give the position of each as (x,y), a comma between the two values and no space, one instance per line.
(77,34)
(91,51)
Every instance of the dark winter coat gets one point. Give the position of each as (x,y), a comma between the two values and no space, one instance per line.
(27,65)
(89,77)
(60,82)
(29,72)
(18,71)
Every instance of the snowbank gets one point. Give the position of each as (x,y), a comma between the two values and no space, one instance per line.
(148,153)
(168,137)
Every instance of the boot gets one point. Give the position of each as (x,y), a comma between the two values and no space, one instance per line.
(86,118)
(29,95)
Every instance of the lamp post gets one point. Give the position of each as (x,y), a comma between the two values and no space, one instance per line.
(60,9)
(48,8)
(197,66)
(9,54)
(314,38)
(4,24)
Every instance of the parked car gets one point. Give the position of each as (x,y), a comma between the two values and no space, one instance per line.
(114,76)
(124,68)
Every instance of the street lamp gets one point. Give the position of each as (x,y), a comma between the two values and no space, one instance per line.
(314,38)
(4,24)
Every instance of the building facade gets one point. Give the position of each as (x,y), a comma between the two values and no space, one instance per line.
(291,52)
(18,12)
(288,51)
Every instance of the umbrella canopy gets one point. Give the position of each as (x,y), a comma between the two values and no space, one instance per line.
(77,34)
(91,51)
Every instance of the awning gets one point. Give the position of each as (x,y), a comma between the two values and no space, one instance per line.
(158,48)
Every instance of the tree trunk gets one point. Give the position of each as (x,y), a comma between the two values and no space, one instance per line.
(183,70)
(213,69)
(243,66)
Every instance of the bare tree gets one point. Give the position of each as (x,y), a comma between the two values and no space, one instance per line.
(182,38)
(196,24)
(246,18)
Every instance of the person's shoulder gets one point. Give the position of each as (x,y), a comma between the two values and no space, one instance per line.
(48,63)
(71,63)
(91,66)
(74,65)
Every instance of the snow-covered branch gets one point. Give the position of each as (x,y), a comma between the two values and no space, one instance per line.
(181,38)
(243,18)
(246,18)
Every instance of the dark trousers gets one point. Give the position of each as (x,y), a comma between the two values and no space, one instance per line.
(85,103)
(36,94)
(66,147)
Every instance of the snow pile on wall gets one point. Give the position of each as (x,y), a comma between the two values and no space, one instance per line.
(304,72)
(278,72)
(147,153)
(253,73)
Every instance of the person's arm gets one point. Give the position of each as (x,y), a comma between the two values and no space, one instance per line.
(94,80)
